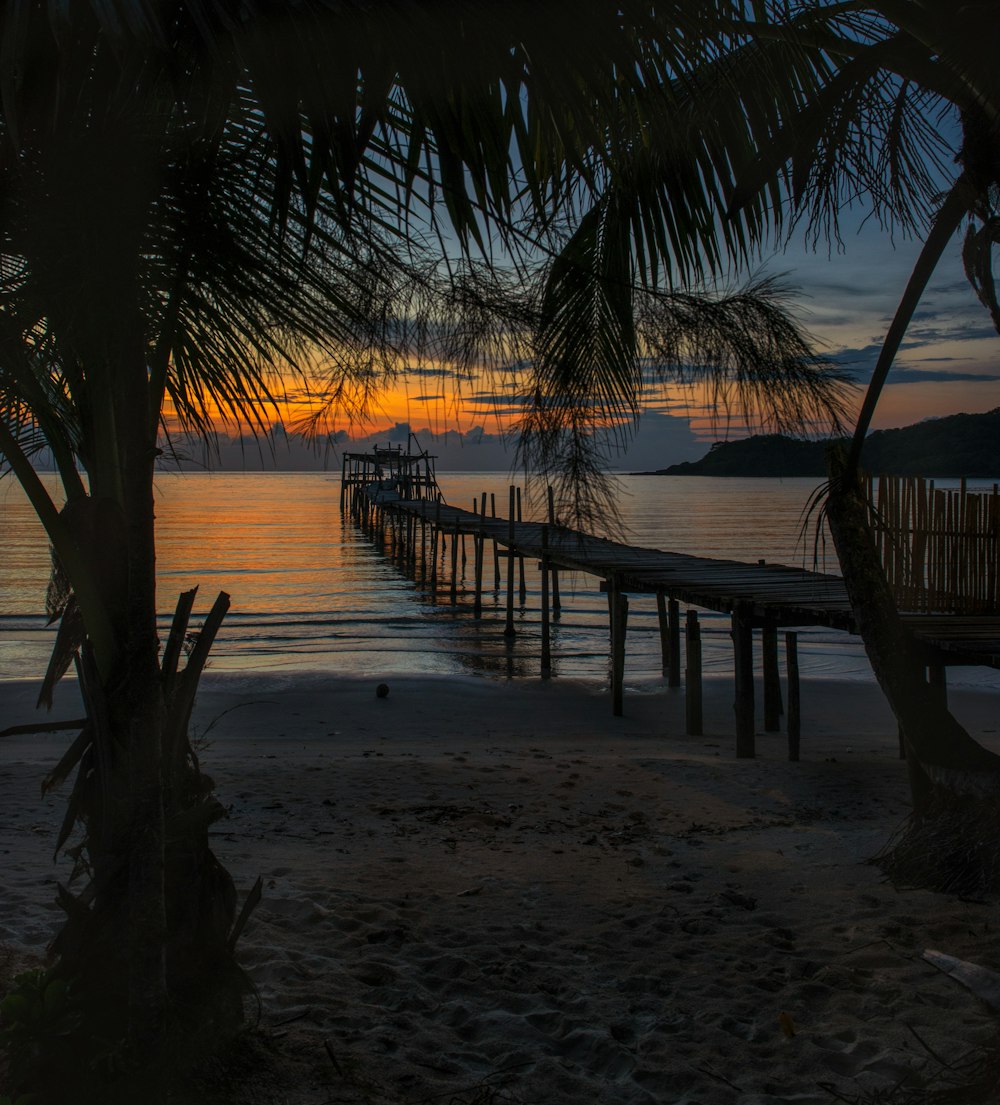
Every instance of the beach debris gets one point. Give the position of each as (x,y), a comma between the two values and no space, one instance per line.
(786,1024)
(983,982)
(382,690)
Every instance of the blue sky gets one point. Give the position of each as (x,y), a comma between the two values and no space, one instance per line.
(950,360)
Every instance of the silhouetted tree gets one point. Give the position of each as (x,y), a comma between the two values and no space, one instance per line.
(199,198)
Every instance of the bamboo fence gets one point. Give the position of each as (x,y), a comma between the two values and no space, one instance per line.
(940,548)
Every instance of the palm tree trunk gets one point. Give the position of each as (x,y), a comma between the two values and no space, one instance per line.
(955,781)
(142,694)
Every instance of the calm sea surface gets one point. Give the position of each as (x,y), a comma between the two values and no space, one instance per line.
(310,593)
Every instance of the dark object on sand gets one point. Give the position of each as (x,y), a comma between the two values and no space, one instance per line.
(382,690)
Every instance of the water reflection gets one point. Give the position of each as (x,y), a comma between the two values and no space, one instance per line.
(311,592)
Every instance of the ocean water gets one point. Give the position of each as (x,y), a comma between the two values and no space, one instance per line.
(309,591)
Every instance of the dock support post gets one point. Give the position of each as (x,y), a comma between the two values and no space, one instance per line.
(794,709)
(556,603)
(692,685)
(454,565)
(522,588)
(743,657)
(619,623)
(343,479)
(435,537)
(478,545)
(772,680)
(661,617)
(480,555)
(674,630)
(546,632)
(509,627)
(496,547)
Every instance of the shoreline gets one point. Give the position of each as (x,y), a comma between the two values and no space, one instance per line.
(474,880)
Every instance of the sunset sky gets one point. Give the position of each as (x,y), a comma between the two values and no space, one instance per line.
(950,363)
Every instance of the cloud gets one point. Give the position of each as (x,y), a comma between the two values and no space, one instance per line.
(661,439)
(901,374)
(860,363)
(436,373)
(921,335)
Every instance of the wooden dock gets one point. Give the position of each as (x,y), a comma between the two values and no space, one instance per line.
(758,597)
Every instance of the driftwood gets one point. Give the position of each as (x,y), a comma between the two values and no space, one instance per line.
(983,982)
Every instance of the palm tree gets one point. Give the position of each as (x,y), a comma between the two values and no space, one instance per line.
(786,112)
(198,199)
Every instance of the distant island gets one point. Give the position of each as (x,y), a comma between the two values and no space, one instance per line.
(954,446)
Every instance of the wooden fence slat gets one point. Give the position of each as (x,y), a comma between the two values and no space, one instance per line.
(940,550)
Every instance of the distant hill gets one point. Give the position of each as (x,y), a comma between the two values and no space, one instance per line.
(958,445)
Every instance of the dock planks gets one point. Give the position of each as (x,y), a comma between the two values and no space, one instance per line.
(757,596)
(786,595)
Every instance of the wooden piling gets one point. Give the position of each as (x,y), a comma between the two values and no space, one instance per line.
(661,616)
(556,603)
(772,678)
(619,623)
(794,710)
(674,630)
(478,544)
(692,683)
(522,589)
(546,634)
(743,706)
(509,627)
(435,537)
(496,547)
(454,565)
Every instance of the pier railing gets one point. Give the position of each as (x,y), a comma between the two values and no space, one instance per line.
(940,548)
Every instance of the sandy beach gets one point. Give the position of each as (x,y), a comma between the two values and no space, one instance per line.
(489,891)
